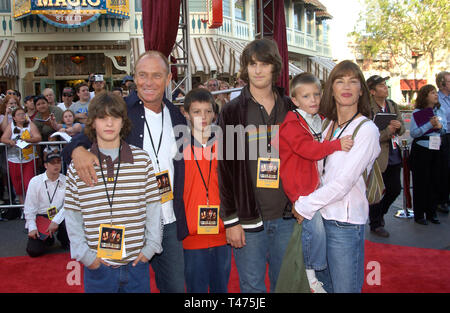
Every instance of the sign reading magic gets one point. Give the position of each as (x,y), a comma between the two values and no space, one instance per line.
(71,13)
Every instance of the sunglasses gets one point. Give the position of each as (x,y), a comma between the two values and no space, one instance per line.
(67,95)
(12,93)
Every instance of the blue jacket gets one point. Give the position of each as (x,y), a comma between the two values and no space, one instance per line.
(136,113)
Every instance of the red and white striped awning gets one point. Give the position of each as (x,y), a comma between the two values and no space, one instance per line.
(8,58)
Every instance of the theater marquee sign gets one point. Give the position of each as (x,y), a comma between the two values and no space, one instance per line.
(71,13)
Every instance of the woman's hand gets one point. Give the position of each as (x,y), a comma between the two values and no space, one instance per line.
(297,216)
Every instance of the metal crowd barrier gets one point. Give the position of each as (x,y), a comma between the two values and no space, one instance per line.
(4,159)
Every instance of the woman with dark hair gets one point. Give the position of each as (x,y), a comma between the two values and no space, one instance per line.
(47,117)
(427,159)
(341,197)
(20,161)
(9,103)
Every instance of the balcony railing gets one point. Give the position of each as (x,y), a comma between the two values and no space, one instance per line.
(6,22)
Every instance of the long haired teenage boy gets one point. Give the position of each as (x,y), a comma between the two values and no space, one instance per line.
(300,150)
(207,257)
(115,226)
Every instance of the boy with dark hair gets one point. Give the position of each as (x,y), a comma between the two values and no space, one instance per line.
(115,226)
(253,205)
(207,257)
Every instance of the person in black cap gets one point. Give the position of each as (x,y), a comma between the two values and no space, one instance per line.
(67,98)
(390,159)
(43,208)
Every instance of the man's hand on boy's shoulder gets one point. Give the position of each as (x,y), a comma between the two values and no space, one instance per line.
(83,162)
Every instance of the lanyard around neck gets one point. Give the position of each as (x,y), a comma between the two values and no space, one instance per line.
(269,126)
(318,136)
(200,171)
(54,192)
(110,199)
(156,152)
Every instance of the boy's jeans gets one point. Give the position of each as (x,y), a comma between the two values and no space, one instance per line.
(208,267)
(122,279)
(266,246)
(314,243)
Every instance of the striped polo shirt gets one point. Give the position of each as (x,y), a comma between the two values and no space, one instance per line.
(136,187)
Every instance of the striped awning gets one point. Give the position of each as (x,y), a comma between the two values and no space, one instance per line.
(294,70)
(321,67)
(8,58)
(204,56)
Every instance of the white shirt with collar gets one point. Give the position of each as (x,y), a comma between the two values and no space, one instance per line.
(167,151)
(342,194)
(40,189)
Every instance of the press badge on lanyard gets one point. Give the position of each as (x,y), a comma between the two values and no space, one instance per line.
(111,238)
(268,171)
(164,186)
(268,174)
(162,177)
(208,215)
(52,210)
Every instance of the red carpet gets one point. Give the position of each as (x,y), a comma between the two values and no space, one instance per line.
(393,269)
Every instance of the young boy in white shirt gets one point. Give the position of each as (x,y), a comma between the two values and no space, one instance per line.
(43,207)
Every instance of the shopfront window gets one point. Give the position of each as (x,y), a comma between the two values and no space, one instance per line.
(239,10)
(5,6)
(67,65)
(226,10)
(138,5)
(309,21)
(298,13)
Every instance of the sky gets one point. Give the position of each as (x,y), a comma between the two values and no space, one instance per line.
(345,15)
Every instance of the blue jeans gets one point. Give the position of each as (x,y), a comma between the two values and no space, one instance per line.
(122,279)
(205,268)
(169,265)
(314,243)
(345,255)
(266,246)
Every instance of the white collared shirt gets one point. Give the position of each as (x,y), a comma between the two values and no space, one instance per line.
(166,153)
(342,194)
(37,200)
(314,121)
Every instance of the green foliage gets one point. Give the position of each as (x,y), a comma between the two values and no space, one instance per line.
(401,27)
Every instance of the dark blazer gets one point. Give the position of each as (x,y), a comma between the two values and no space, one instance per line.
(136,114)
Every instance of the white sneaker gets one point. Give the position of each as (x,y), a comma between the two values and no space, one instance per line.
(316,287)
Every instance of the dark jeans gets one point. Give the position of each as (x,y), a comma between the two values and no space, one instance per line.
(391,179)
(37,247)
(123,279)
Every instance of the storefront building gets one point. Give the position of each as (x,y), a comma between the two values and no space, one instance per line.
(55,43)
